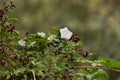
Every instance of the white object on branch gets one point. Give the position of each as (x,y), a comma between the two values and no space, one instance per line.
(21,43)
(65,33)
(42,34)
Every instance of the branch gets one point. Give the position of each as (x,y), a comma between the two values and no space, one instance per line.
(96,67)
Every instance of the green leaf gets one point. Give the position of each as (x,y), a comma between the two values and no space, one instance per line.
(13,63)
(16,32)
(109,63)
(19,70)
(54,29)
(89,71)
(13,20)
(100,75)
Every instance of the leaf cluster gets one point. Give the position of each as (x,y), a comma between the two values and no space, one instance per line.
(41,56)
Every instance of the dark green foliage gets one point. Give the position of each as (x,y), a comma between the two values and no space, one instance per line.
(46,57)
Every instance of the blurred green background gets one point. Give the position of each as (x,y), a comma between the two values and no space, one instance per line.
(96,21)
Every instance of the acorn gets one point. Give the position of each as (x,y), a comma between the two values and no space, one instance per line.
(57,51)
(75,38)
(12,55)
(83,53)
(10,28)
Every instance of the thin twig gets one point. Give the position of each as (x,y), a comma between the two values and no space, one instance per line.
(96,67)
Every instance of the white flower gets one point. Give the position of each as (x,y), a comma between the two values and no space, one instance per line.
(42,34)
(52,37)
(32,44)
(21,43)
(65,33)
